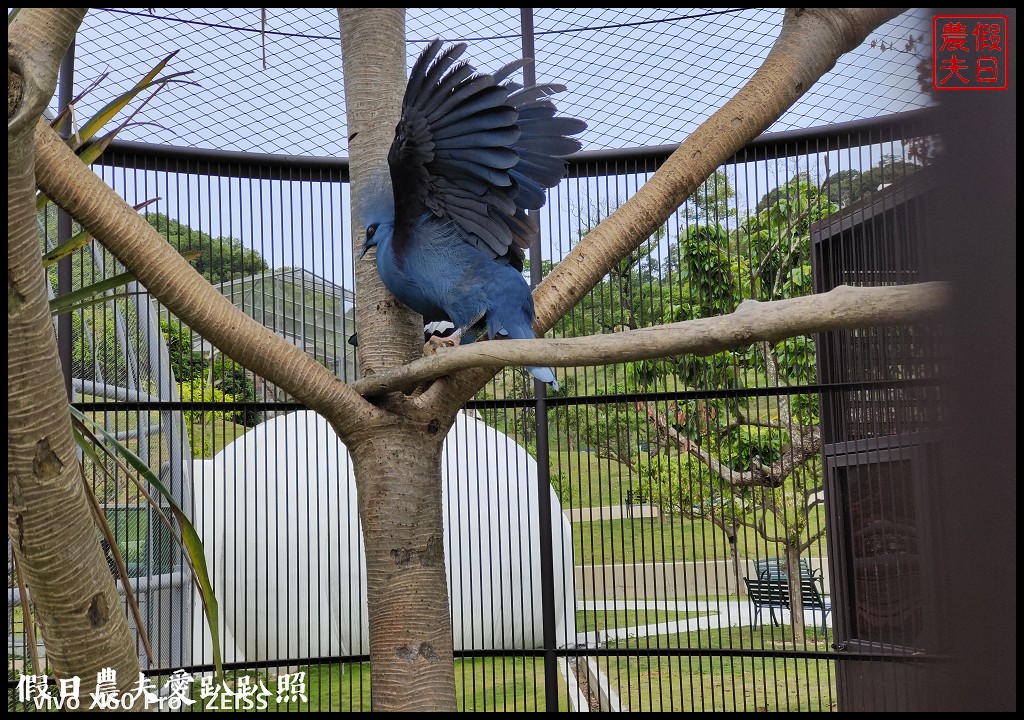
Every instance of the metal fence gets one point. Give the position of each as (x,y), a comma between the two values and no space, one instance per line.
(665,482)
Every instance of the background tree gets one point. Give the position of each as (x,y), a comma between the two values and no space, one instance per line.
(849,186)
(714,202)
(216,259)
(731,462)
(616,302)
(740,461)
(620,301)
(394,438)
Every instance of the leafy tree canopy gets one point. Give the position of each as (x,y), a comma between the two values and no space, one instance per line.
(220,259)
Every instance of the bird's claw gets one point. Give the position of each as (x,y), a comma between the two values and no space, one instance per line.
(435,343)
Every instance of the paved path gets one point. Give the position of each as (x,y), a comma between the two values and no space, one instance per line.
(728,613)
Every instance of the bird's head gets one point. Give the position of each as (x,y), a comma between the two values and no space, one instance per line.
(371,239)
(378,212)
(378,234)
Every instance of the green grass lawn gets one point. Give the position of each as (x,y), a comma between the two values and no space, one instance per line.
(220,433)
(584,479)
(607,542)
(696,683)
(671,539)
(643,683)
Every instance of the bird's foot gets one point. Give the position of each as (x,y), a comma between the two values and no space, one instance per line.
(435,342)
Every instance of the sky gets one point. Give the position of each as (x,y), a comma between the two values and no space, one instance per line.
(640,77)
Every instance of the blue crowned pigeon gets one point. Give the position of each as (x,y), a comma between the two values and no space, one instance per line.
(472,153)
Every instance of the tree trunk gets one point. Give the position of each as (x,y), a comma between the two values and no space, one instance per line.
(796,599)
(398,471)
(49,521)
(397,465)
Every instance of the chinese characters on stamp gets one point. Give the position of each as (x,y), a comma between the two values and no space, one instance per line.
(970,52)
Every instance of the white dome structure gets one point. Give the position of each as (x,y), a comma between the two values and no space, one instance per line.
(278,515)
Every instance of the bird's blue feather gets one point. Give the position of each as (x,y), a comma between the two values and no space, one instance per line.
(472,153)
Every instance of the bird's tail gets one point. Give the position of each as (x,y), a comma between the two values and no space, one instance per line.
(519,329)
(545,375)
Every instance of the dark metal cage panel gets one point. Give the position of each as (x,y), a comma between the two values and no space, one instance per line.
(881,419)
(875,243)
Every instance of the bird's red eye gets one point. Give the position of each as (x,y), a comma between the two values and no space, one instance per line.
(370,231)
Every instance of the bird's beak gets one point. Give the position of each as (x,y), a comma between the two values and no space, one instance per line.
(365,248)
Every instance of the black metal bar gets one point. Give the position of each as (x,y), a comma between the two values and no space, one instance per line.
(206,161)
(64,274)
(769,146)
(540,408)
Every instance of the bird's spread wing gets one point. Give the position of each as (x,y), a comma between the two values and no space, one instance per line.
(477,149)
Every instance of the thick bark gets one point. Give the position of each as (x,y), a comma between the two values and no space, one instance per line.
(398,472)
(373,60)
(397,466)
(49,522)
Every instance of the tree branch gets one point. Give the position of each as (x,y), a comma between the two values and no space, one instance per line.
(810,42)
(169,277)
(33,61)
(844,307)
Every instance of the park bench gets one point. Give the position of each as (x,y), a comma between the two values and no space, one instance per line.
(775,569)
(771,591)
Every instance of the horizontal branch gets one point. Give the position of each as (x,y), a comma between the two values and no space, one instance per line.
(843,308)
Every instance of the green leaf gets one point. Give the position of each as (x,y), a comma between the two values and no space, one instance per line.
(90,154)
(67,247)
(112,108)
(86,444)
(96,293)
(107,113)
(76,241)
(89,295)
(189,537)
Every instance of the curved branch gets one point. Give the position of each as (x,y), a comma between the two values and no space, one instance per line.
(844,307)
(808,46)
(170,278)
(792,455)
